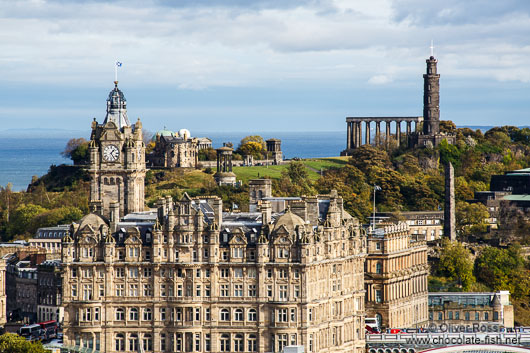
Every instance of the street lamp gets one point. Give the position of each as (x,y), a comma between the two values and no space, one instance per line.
(376,188)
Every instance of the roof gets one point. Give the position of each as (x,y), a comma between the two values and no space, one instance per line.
(289,220)
(524,197)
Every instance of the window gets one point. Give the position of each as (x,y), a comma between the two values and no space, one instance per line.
(251,290)
(87,292)
(293,314)
(477,316)
(207,342)
(296,273)
(133,272)
(224,273)
(87,273)
(283,253)
(74,290)
(87,314)
(148,290)
(147,342)
(269,291)
(225,343)
(198,291)
(251,272)
(148,316)
(269,273)
(163,292)
(282,315)
(178,314)
(379,268)
(101,274)
(450,315)
(225,315)
(198,273)
(197,342)
(207,290)
(237,253)
(486,316)
(179,290)
(224,290)
(101,290)
(133,290)
(310,315)
(378,246)
(120,291)
(283,292)
(133,342)
(162,342)
(378,296)
(133,314)
(238,272)
(293,339)
(282,273)
(224,255)
(296,291)
(147,272)
(311,343)
(282,341)
(120,272)
(162,314)
(252,343)
(252,255)
(120,342)
(207,273)
(238,290)
(238,315)
(440,316)
(495,316)
(238,343)
(96,314)
(252,315)
(457,315)
(207,314)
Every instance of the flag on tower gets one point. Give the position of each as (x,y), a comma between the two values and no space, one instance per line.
(118,64)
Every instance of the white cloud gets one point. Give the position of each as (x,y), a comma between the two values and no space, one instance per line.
(379,80)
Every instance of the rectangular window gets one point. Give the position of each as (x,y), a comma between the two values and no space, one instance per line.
(224,273)
(238,272)
(207,273)
(207,314)
(133,272)
(237,253)
(120,292)
(251,272)
(163,292)
(378,296)
(198,291)
(207,343)
(296,291)
(269,291)
(74,290)
(101,290)
(147,272)
(224,290)
(282,315)
(198,273)
(283,292)
(96,314)
(293,314)
(148,290)
(197,314)
(74,272)
(282,273)
(133,290)
(120,272)
(251,290)
(238,290)
(207,291)
(179,290)
(87,292)
(101,274)
(162,314)
(269,273)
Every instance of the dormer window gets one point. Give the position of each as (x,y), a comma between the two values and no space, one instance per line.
(148,237)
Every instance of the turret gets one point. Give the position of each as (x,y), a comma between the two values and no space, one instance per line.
(431,98)
(114,216)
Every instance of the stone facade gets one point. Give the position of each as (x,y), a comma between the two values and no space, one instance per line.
(201,280)
(176,150)
(224,174)
(426,223)
(258,189)
(471,308)
(396,277)
(50,239)
(117,160)
(274,150)
(49,291)
(450,203)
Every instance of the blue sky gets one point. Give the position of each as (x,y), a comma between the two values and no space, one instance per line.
(261,65)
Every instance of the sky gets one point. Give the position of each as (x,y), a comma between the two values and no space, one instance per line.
(260,65)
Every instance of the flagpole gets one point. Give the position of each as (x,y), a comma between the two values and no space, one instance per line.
(373,218)
(116,71)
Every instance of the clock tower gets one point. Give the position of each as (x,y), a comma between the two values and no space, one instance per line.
(117,161)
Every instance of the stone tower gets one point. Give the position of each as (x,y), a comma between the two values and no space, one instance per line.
(258,189)
(117,160)
(274,149)
(431,98)
(449,209)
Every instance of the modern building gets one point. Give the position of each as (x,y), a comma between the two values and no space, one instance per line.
(468,308)
(396,273)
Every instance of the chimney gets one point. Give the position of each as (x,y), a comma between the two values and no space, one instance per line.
(114,215)
(266,212)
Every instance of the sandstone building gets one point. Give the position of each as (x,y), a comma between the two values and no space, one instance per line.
(116,160)
(176,150)
(396,276)
(203,281)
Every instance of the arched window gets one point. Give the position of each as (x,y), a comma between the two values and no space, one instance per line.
(120,314)
(379,268)
(379,319)
(133,314)
(225,343)
(252,343)
(238,343)
(120,342)
(238,315)
(252,315)
(133,342)
(147,314)
(260,194)
(225,315)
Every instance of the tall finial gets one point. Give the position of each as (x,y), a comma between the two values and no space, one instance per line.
(118,64)
(432,47)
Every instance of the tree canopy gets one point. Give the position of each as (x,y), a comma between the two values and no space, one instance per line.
(12,343)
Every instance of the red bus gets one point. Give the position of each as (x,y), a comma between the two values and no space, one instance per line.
(50,327)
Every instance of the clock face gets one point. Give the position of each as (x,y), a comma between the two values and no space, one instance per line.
(111,153)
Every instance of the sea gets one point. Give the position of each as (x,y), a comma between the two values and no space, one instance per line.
(24,154)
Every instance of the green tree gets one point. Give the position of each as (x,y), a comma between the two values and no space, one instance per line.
(456,263)
(207,154)
(77,150)
(251,148)
(62,215)
(253,138)
(503,269)
(471,218)
(23,218)
(11,343)
(367,156)
(447,127)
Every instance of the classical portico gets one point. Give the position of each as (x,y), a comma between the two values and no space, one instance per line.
(404,125)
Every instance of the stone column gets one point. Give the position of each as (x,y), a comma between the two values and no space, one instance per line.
(359,134)
(355,135)
(449,209)
(409,128)
(398,132)
(387,132)
(348,135)
(377,133)
(367,133)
